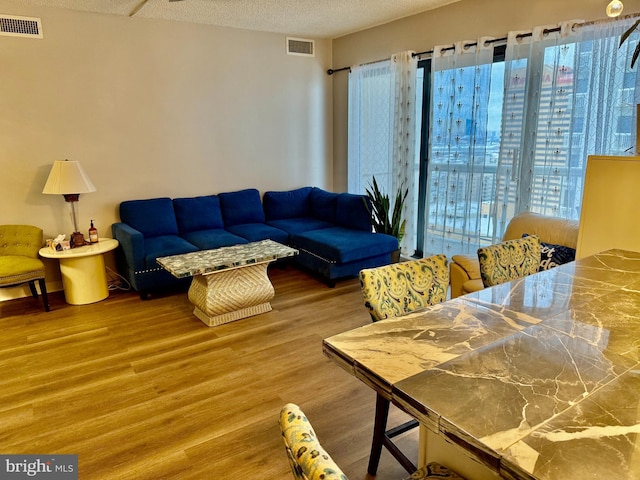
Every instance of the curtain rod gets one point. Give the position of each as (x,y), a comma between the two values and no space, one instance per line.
(331,71)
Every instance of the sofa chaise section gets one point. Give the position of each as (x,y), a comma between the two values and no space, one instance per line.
(332,231)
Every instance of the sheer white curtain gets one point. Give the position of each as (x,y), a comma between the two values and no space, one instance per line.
(368,129)
(569,93)
(515,136)
(463,147)
(382,132)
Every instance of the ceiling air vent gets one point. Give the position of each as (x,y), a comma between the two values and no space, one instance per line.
(300,46)
(20,26)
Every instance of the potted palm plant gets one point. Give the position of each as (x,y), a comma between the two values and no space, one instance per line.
(384,218)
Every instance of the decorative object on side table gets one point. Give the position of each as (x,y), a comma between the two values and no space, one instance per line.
(383,219)
(70,180)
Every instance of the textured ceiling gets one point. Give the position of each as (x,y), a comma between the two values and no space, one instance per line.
(303,18)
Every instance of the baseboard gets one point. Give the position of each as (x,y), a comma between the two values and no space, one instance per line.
(22,291)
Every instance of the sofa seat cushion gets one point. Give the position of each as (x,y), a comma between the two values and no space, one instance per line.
(153,217)
(214,238)
(340,244)
(254,232)
(241,207)
(164,246)
(19,269)
(195,214)
(299,225)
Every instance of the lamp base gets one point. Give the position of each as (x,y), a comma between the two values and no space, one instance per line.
(77,240)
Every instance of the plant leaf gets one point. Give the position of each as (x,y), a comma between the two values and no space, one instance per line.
(634,57)
(628,32)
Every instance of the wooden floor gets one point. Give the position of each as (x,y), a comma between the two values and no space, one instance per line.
(144,390)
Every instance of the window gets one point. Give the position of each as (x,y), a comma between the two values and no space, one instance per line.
(499,129)
(515,134)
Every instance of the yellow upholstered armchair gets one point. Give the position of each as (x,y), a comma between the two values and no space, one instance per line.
(465,269)
(400,288)
(19,262)
(309,461)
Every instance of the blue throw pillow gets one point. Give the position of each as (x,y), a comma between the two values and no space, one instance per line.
(552,255)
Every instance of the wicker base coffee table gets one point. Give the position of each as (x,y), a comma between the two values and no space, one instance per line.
(229,283)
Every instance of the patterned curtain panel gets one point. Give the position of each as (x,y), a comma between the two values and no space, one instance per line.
(382,133)
(464,144)
(514,136)
(569,93)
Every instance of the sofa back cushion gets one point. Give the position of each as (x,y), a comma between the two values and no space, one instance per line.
(289,204)
(554,230)
(352,212)
(241,207)
(198,213)
(323,204)
(152,217)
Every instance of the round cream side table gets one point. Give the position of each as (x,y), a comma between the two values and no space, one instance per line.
(84,277)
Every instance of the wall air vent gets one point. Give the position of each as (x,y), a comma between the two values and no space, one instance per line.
(20,26)
(300,46)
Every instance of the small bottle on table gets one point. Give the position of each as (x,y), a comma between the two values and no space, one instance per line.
(93,234)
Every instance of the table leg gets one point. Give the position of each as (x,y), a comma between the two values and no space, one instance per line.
(84,279)
(229,295)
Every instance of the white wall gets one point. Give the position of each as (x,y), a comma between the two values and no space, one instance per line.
(155,108)
(464,20)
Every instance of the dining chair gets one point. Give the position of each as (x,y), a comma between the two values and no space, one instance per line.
(401,288)
(309,461)
(19,262)
(391,291)
(509,260)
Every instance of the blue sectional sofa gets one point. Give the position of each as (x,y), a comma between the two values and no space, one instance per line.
(332,231)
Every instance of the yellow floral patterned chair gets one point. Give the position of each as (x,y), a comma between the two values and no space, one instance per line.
(19,262)
(309,461)
(509,260)
(401,288)
(391,291)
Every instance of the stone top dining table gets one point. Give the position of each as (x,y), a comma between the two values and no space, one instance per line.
(538,378)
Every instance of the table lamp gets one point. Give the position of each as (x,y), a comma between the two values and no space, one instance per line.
(67,178)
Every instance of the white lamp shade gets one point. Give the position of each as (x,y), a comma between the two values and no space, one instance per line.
(67,177)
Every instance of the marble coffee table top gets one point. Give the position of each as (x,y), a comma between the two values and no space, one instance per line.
(210,261)
(539,377)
